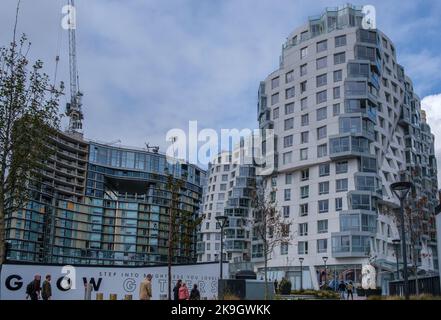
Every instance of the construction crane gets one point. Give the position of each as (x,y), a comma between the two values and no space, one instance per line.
(73,108)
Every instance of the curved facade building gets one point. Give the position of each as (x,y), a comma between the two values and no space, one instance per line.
(229,192)
(348,124)
(99,204)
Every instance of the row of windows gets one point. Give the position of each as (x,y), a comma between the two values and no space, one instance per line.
(302,247)
(321,96)
(322,151)
(341,185)
(322,205)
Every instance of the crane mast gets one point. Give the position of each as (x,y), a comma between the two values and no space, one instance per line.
(73,108)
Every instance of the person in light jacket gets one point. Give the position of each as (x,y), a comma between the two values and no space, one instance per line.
(145,290)
(183,292)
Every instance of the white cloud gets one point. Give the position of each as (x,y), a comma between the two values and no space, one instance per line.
(432,105)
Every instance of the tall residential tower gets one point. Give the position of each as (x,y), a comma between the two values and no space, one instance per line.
(347,125)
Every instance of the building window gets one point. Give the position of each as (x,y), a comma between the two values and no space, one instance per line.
(338,204)
(288,141)
(303,70)
(324,170)
(323,206)
(303,247)
(289,123)
(303,209)
(322,63)
(275,98)
(305,175)
(340,41)
(338,75)
(288,178)
(303,52)
(276,113)
(321,133)
(304,137)
(305,119)
(341,167)
(322,226)
(322,150)
(322,46)
(336,109)
(304,192)
(321,80)
(287,157)
(289,93)
(289,108)
(336,93)
(341,185)
(304,104)
(275,83)
(323,187)
(289,76)
(321,96)
(339,58)
(322,245)
(302,86)
(283,248)
(287,194)
(286,211)
(303,229)
(304,154)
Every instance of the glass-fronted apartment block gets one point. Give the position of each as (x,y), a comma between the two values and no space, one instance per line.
(100,204)
(348,124)
(229,191)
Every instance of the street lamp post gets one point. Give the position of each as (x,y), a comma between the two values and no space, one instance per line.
(222,221)
(325,259)
(396,243)
(401,189)
(301,273)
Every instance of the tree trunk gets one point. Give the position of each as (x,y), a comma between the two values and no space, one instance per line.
(266,268)
(2,234)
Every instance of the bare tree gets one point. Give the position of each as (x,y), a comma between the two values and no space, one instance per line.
(269,226)
(28,116)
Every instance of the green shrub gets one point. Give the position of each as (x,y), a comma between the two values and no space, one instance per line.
(285,286)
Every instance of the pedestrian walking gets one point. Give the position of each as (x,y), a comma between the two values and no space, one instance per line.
(350,289)
(276,284)
(46,290)
(176,290)
(183,292)
(145,290)
(195,294)
(33,289)
(342,289)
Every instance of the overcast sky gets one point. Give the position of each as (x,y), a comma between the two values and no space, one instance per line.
(148,66)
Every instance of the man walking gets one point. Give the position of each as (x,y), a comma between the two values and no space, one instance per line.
(176,290)
(276,284)
(195,294)
(341,289)
(46,292)
(33,289)
(145,290)
(350,289)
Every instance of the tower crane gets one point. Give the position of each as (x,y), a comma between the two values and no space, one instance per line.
(73,108)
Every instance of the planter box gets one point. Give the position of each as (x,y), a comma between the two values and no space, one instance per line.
(368,292)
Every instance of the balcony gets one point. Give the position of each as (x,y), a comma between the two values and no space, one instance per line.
(348,147)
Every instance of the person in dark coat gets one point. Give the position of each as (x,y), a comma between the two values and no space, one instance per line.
(195,294)
(342,289)
(276,284)
(176,290)
(46,291)
(33,289)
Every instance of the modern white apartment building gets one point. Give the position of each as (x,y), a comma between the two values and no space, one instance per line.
(347,125)
(228,191)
